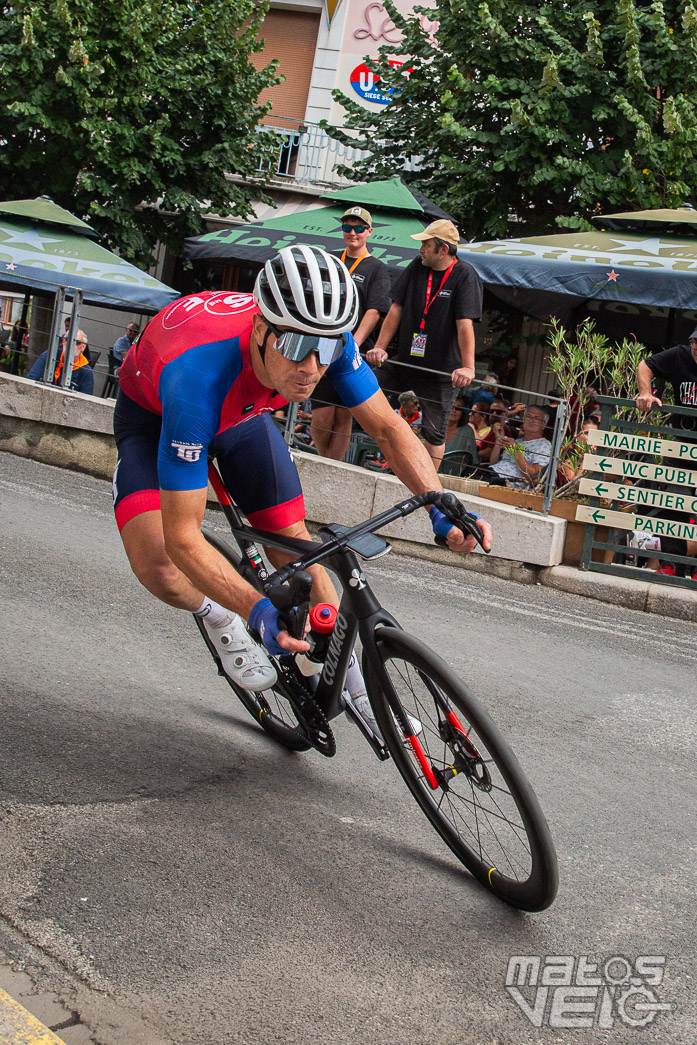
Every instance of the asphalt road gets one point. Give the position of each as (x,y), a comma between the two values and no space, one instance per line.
(181,879)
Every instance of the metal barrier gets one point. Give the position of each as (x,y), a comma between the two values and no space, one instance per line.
(556,441)
(663,477)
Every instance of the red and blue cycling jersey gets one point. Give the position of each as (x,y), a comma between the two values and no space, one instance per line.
(192,365)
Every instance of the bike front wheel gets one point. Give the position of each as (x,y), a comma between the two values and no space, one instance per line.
(272,709)
(462,772)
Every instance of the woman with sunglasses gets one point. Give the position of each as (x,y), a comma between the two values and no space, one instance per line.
(201,382)
(331,421)
(498,417)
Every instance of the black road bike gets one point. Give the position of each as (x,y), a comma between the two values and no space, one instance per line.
(452,757)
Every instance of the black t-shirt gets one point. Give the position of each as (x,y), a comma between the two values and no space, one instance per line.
(372,281)
(677,366)
(460,298)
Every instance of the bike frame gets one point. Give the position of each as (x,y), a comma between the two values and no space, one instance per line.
(359,611)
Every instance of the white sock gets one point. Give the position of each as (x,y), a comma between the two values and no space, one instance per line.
(212,611)
(354,678)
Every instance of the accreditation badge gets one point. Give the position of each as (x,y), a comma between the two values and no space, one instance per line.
(418,345)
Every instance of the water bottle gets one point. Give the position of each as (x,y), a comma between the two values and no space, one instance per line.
(322,620)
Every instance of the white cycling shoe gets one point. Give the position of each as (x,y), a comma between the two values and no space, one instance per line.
(244,661)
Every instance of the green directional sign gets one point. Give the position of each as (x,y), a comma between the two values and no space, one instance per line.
(644,444)
(625,521)
(666,473)
(677,502)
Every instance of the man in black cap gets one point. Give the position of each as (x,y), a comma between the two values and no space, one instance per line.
(331,421)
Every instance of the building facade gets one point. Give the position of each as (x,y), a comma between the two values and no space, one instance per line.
(321,46)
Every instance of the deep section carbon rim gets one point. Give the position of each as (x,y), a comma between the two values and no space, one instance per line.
(465,777)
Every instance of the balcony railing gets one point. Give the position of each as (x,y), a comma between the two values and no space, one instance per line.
(305,152)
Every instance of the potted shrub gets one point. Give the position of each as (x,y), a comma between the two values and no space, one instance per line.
(585,363)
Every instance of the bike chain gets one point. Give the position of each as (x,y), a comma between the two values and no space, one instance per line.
(309,714)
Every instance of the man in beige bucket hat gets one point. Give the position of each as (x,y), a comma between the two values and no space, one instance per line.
(434,305)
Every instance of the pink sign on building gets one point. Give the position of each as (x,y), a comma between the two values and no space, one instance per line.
(368,26)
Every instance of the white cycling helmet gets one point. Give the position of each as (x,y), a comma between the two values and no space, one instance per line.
(307,290)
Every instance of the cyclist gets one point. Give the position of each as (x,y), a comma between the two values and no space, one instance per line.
(200,381)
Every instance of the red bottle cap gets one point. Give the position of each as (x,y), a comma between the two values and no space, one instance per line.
(323,617)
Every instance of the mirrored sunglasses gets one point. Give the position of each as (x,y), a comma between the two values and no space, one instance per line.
(354,228)
(296,346)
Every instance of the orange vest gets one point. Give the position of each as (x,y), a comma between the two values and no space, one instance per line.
(78,361)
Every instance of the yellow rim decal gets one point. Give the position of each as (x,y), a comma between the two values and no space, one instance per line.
(490,874)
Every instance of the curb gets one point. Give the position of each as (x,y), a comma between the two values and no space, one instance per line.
(19,1027)
(666,599)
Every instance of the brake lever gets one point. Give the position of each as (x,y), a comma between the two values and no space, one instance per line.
(292,601)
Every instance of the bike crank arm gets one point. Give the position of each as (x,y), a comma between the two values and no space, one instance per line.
(307,711)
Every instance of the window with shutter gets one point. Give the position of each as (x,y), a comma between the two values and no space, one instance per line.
(291,37)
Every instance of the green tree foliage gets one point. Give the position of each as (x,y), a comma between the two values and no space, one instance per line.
(531,114)
(131,113)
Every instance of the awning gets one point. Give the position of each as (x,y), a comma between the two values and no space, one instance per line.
(397,212)
(547,275)
(43,247)
(258,241)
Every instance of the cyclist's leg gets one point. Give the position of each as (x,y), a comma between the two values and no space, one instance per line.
(143,540)
(260,474)
(136,491)
(139,518)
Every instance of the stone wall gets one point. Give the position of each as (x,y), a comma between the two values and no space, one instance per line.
(71,430)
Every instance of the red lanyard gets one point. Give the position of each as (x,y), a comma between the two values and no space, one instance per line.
(429,299)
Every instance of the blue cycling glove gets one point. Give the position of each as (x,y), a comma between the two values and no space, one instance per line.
(440,523)
(264,619)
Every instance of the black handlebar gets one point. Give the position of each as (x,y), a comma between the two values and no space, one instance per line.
(293,602)
(445,501)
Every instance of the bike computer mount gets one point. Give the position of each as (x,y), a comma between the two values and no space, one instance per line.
(367,545)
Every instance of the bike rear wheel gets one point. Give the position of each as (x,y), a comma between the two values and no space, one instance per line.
(272,709)
(465,777)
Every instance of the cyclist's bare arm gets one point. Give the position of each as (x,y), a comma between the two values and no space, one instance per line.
(182,516)
(408,458)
